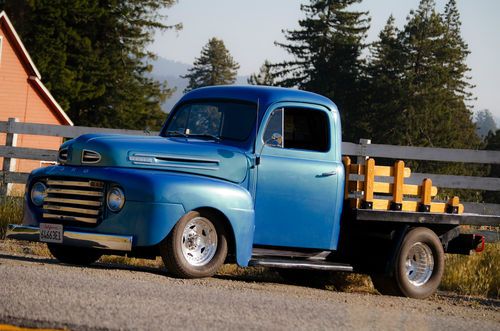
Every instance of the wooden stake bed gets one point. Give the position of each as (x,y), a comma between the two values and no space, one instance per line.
(392,194)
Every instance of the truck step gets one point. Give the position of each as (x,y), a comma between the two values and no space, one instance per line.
(300,264)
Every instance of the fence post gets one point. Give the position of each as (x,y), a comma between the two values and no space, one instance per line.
(8,163)
(364,155)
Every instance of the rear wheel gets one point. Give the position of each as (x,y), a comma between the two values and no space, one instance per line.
(418,268)
(74,255)
(196,247)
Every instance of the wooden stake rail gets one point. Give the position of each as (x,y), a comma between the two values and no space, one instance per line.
(365,189)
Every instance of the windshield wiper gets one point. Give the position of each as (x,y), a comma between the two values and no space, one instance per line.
(176,133)
(204,135)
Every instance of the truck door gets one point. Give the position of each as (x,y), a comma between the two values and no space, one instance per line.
(298,193)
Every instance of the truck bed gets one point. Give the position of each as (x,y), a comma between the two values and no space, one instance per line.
(424,218)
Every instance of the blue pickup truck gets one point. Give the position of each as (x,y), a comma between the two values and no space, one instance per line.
(247,175)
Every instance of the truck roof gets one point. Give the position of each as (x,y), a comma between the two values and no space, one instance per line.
(266,95)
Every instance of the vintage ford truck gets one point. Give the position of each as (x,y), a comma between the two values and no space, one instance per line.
(252,175)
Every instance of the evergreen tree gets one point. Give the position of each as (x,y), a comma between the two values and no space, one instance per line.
(264,77)
(326,50)
(215,66)
(485,123)
(435,111)
(387,91)
(93,58)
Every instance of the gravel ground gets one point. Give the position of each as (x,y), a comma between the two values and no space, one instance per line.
(40,292)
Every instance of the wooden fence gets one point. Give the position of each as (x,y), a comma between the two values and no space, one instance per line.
(362,151)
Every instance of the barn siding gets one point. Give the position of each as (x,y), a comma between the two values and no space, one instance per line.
(19,99)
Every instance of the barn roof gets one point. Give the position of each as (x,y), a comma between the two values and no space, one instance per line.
(35,79)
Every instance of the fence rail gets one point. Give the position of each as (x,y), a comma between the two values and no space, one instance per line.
(361,150)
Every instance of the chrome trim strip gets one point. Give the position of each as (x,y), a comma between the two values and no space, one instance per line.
(71,209)
(295,264)
(178,157)
(173,165)
(75,238)
(75,192)
(93,184)
(90,203)
(70,218)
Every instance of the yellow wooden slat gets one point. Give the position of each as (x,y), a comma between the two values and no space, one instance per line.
(389,171)
(369,179)
(381,204)
(408,189)
(426,191)
(397,188)
(438,207)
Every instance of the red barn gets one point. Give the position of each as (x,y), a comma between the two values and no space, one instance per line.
(23,96)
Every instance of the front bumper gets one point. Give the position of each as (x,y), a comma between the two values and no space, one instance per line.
(75,238)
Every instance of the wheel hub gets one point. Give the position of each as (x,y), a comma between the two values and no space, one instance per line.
(419,264)
(199,241)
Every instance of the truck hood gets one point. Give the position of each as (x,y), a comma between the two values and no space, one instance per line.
(189,155)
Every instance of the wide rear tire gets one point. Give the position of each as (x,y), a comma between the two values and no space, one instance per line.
(418,268)
(196,247)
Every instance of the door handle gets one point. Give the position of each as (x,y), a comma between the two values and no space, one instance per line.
(330,173)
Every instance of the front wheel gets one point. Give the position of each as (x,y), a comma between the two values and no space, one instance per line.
(418,268)
(196,247)
(74,255)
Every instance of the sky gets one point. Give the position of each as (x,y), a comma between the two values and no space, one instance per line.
(250,29)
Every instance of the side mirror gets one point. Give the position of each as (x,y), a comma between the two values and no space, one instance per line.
(276,140)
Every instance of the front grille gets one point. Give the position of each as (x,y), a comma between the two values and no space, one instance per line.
(90,156)
(74,200)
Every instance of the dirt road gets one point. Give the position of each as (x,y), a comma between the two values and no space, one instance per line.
(40,292)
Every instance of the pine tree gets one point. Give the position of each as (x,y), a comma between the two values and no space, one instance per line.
(485,123)
(326,50)
(263,77)
(93,58)
(435,113)
(387,91)
(215,66)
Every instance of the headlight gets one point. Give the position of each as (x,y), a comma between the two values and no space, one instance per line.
(116,199)
(38,193)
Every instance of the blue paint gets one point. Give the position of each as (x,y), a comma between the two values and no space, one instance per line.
(285,200)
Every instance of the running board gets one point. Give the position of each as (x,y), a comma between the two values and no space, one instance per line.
(300,264)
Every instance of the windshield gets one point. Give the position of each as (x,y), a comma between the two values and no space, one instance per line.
(213,120)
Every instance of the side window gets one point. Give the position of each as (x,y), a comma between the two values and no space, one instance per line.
(300,128)
(274,126)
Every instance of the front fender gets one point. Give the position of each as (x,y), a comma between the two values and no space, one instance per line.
(235,202)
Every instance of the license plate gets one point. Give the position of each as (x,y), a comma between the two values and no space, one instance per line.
(51,233)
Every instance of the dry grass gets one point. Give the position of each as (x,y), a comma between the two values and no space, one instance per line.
(11,211)
(478,274)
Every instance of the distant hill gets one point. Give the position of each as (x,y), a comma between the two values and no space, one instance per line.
(170,71)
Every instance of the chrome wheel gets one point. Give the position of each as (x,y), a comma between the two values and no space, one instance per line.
(419,264)
(199,241)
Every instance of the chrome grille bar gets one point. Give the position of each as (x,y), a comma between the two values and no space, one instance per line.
(75,192)
(71,209)
(75,201)
(91,183)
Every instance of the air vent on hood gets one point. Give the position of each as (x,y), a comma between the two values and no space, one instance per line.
(90,156)
(62,155)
